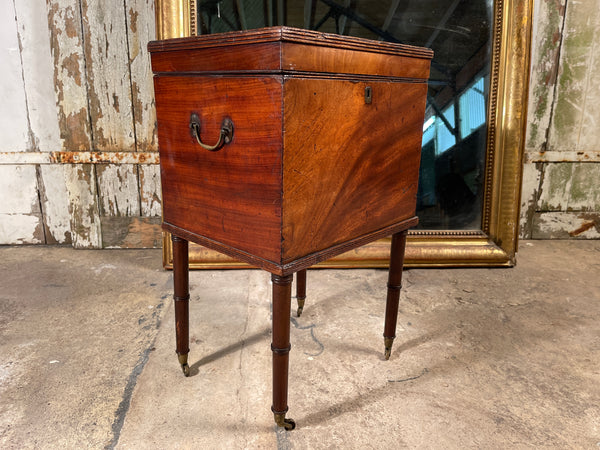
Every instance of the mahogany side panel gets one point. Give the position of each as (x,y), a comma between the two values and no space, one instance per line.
(232,195)
(350,167)
(259,57)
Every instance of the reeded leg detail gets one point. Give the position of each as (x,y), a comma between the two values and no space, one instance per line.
(393,291)
(282,293)
(300,290)
(181,299)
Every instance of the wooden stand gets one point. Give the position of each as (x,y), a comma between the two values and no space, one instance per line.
(282,290)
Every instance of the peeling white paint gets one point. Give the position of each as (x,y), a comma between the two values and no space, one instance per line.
(556,187)
(19,229)
(577,101)
(83,207)
(14,126)
(55,65)
(38,73)
(529,196)
(141,30)
(564,225)
(118,185)
(69,76)
(150,191)
(107,68)
(55,203)
(18,190)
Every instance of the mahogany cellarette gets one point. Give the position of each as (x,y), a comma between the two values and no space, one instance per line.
(282,148)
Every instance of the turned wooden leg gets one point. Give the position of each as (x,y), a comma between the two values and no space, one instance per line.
(393,291)
(282,292)
(300,290)
(181,299)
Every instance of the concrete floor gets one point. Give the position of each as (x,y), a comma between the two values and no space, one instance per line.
(500,358)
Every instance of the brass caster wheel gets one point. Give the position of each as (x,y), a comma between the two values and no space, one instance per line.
(388,347)
(300,306)
(388,353)
(281,421)
(184,364)
(186,370)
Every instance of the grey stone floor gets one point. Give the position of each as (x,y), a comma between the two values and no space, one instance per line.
(484,358)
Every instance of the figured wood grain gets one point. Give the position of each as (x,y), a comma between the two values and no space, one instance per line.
(350,167)
(302,58)
(233,195)
(262,57)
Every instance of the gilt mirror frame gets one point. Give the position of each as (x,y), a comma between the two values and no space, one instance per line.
(495,243)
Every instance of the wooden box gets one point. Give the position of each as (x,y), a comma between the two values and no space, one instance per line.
(324,153)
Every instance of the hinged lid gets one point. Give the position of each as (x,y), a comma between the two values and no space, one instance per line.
(289,50)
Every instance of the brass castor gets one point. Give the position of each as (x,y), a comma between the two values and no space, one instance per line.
(300,306)
(281,421)
(184,364)
(388,347)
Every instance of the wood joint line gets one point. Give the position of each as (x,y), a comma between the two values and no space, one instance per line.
(279,412)
(281,351)
(181,299)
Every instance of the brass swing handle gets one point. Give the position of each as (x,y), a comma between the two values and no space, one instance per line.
(225,136)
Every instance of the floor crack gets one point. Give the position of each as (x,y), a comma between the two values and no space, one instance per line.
(125,403)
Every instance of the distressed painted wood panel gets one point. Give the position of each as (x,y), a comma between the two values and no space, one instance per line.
(561,183)
(107,69)
(118,190)
(566,225)
(14,127)
(585,188)
(86,231)
(548,23)
(70,83)
(576,109)
(81,82)
(38,75)
(570,187)
(42,114)
(20,215)
(131,232)
(54,198)
(71,93)
(529,198)
(141,29)
(150,191)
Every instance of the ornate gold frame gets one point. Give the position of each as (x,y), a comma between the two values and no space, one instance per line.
(496,243)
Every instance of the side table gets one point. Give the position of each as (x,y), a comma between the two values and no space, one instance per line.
(283,148)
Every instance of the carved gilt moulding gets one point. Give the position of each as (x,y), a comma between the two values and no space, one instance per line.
(495,244)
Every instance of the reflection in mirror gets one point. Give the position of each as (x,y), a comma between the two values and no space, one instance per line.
(454,132)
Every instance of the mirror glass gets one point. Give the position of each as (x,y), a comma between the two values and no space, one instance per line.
(455,128)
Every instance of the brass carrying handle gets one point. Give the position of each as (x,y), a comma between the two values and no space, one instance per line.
(225,136)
